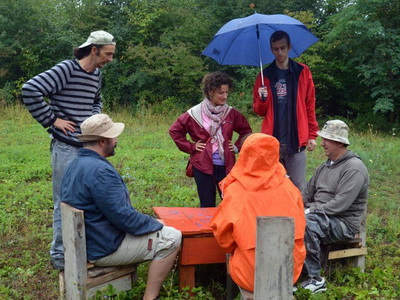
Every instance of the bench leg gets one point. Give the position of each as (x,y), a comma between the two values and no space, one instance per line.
(186,277)
(232,289)
(358,262)
(61,281)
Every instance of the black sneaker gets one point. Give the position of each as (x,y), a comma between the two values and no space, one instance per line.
(58,263)
(314,284)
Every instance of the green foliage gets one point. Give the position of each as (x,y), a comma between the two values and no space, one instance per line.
(241,96)
(353,284)
(355,64)
(165,40)
(160,74)
(26,45)
(6,94)
(366,36)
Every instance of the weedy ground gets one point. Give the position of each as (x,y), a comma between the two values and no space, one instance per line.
(153,169)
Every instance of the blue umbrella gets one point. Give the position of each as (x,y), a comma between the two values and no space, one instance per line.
(245,41)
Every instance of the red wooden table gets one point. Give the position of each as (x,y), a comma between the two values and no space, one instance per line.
(198,243)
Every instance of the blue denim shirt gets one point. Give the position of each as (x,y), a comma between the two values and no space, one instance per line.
(92,184)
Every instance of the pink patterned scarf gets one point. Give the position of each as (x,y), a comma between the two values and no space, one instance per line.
(217,114)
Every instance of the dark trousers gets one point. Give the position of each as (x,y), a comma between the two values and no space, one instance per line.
(207,185)
(321,229)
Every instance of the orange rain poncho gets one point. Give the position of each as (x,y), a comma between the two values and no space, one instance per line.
(256,186)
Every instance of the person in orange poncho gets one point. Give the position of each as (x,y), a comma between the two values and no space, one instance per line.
(256,186)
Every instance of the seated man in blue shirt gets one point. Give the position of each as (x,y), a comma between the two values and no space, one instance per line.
(116,233)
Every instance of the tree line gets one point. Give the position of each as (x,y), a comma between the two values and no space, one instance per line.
(158,61)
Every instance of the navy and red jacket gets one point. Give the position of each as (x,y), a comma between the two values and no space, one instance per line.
(303,117)
(191,123)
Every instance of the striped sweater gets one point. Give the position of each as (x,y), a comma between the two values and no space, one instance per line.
(73,95)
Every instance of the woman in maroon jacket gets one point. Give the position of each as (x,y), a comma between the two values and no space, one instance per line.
(210,125)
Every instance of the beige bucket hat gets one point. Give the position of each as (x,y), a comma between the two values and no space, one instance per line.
(99,37)
(99,126)
(335,130)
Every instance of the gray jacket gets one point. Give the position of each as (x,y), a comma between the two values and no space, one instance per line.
(340,189)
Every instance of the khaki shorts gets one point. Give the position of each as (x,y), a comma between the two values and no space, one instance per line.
(136,249)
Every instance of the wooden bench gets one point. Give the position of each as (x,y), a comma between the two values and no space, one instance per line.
(354,250)
(80,279)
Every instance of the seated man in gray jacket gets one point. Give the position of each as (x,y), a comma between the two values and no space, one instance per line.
(116,233)
(335,200)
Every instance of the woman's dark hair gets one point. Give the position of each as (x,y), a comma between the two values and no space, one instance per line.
(80,53)
(279,35)
(214,80)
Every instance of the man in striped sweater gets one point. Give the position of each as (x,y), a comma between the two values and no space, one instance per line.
(72,88)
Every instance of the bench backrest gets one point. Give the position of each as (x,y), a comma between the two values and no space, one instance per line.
(274,258)
(74,240)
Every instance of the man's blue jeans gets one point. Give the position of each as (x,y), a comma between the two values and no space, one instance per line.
(61,155)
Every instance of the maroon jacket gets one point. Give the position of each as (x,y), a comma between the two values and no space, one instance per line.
(190,123)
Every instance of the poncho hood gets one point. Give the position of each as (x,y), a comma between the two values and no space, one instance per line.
(258,165)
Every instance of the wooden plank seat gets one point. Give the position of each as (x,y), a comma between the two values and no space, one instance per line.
(80,279)
(354,250)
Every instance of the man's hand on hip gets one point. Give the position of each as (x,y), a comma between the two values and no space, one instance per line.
(64,125)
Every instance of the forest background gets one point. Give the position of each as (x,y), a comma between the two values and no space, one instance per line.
(158,62)
(155,76)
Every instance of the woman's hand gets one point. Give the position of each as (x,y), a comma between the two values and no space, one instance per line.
(231,147)
(200,145)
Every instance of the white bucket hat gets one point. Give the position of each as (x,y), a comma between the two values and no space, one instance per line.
(335,130)
(98,126)
(99,37)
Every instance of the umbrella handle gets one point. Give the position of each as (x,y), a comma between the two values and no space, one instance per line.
(262,95)
(261,67)
(262,81)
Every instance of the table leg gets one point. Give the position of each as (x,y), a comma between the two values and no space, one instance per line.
(186,277)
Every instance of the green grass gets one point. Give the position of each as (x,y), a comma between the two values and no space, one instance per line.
(153,169)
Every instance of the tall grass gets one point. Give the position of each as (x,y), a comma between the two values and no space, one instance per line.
(153,169)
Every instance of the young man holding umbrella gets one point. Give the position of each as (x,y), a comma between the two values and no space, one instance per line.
(287,103)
